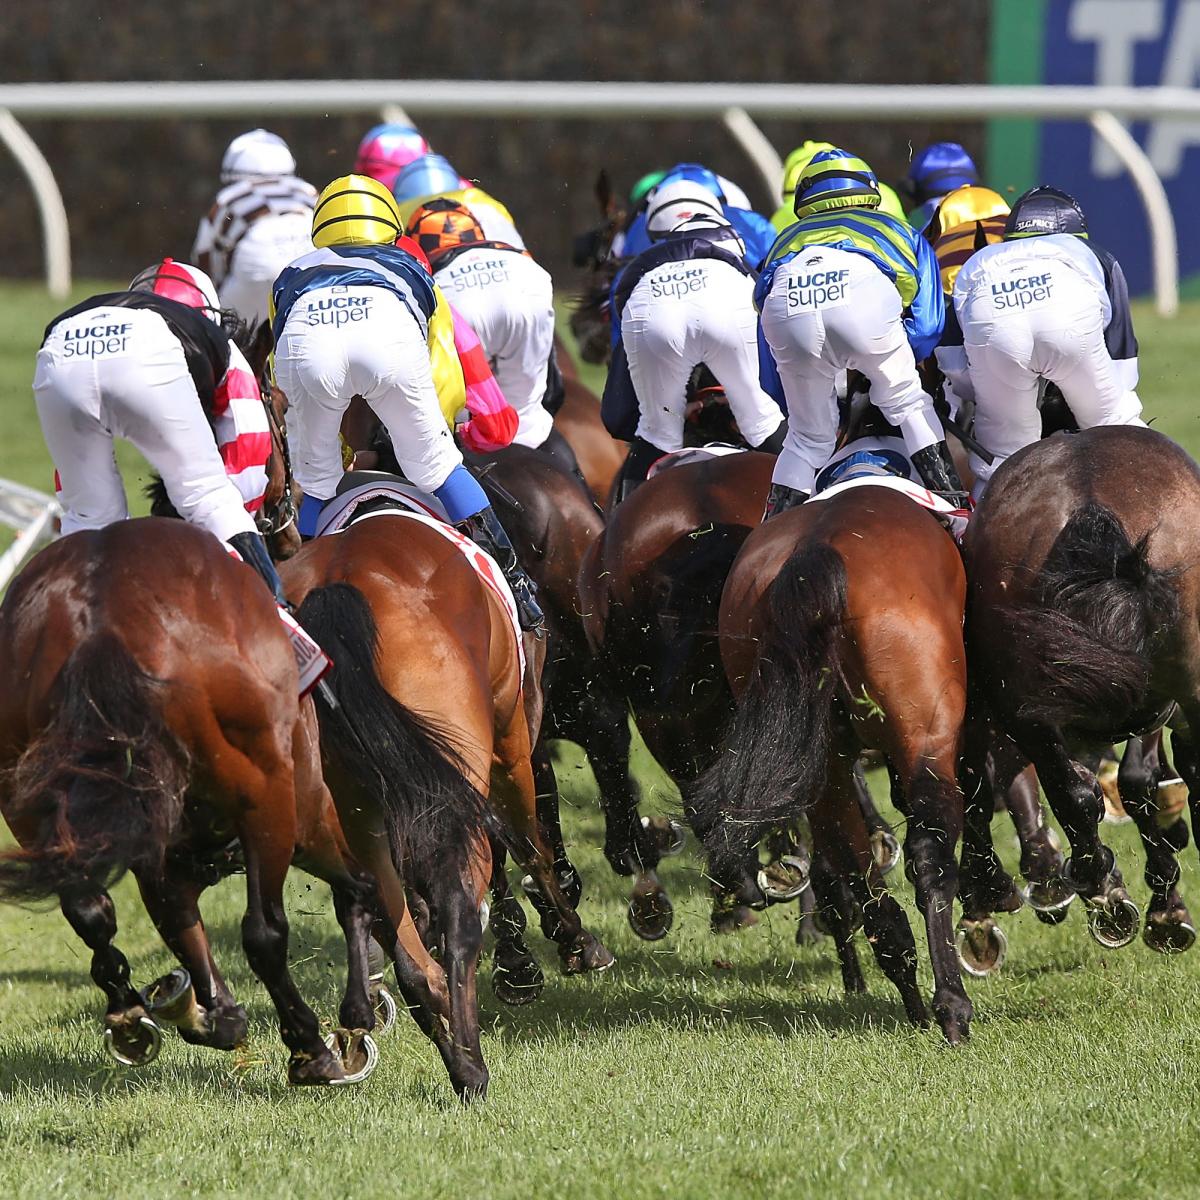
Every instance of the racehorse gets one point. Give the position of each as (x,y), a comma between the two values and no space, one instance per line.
(598,453)
(841,629)
(430,683)
(149,715)
(1082,627)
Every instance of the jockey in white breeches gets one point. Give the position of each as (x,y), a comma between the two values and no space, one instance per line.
(1044,304)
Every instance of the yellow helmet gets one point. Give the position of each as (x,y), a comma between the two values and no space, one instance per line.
(794,164)
(356,210)
(968,203)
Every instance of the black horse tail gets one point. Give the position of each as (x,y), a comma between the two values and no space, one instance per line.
(774,757)
(401,762)
(1086,645)
(102,786)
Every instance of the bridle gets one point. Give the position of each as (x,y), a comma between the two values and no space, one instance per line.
(283,511)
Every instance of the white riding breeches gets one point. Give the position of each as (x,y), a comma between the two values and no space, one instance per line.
(1049,326)
(268,245)
(829,311)
(683,314)
(341,342)
(121,372)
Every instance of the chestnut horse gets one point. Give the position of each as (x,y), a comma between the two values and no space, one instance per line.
(841,630)
(149,709)
(1083,623)
(429,675)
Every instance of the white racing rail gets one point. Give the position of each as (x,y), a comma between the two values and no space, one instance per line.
(734,104)
(32,514)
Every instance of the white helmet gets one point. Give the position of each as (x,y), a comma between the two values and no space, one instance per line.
(724,234)
(735,197)
(670,204)
(255,154)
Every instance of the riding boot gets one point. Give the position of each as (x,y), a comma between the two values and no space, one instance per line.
(254,553)
(938,473)
(641,457)
(780,498)
(485,530)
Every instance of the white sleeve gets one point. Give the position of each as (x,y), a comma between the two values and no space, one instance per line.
(952,360)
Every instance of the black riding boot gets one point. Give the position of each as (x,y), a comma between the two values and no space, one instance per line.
(254,553)
(938,473)
(641,457)
(780,498)
(485,530)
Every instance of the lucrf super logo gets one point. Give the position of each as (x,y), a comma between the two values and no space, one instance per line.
(338,310)
(816,289)
(679,282)
(95,341)
(1022,291)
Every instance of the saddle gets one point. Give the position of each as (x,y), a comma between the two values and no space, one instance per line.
(692,454)
(369,493)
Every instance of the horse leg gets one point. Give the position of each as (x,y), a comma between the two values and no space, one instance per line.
(884,844)
(130,1035)
(356,917)
(1187,759)
(1169,928)
(1092,871)
(206,1014)
(840,915)
(839,827)
(546,787)
(516,975)
(514,798)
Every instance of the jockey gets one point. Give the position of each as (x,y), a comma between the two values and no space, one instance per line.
(354,318)
(756,232)
(795,163)
(1045,303)
(847,287)
(387,149)
(431,175)
(154,365)
(509,302)
(934,171)
(687,300)
(258,223)
(965,220)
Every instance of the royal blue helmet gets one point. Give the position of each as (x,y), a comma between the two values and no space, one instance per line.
(429,175)
(1044,210)
(695,173)
(939,169)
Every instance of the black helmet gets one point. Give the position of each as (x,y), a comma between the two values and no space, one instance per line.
(1045,210)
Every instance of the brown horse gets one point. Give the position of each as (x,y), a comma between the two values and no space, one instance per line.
(841,629)
(598,453)
(429,683)
(148,710)
(1083,629)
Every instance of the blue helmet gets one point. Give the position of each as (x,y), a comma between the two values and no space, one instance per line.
(939,169)
(695,173)
(835,179)
(429,175)
(1044,210)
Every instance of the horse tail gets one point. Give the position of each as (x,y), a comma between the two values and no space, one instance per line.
(1086,644)
(775,751)
(400,761)
(102,785)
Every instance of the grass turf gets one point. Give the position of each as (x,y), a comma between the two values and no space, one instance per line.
(700,1066)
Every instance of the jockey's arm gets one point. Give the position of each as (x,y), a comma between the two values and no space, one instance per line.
(493,422)
(242,430)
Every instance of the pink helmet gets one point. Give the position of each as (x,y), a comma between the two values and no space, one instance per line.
(180,282)
(387,149)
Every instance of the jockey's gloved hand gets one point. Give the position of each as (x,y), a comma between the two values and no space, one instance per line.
(254,553)
(938,473)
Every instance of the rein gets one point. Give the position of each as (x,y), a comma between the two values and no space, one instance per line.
(284,510)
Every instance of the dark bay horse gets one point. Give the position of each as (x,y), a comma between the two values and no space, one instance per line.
(430,681)
(841,629)
(1083,628)
(598,453)
(149,707)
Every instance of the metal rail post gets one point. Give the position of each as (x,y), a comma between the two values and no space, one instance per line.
(56,237)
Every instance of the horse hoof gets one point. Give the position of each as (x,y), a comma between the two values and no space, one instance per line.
(981,946)
(592,955)
(651,913)
(730,920)
(133,1044)
(172,999)
(519,982)
(1169,932)
(386,1010)
(670,836)
(1113,920)
(885,849)
(1050,900)
(358,1052)
(319,1070)
(785,879)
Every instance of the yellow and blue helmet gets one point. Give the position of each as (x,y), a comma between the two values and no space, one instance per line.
(794,164)
(356,210)
(835,179)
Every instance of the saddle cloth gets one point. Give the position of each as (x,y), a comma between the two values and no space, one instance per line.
(955,518)
(692,454)
(388,498)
